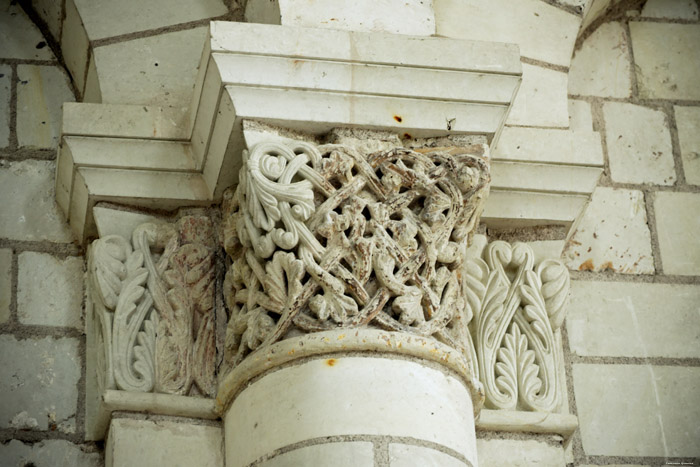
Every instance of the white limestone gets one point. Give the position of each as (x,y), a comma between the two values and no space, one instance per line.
(671,9)
(677,224)
(161,71)
(550,146)
(48,452)
(541,99)
(601,67)
(133,442)
(415,17)
(134,15)
(627,319)
(519,453)
(41,91)
(688,122)
(639,144)
(51,12)
(349,395)
(542,31)
(50,290)
(5,96)
(5,284)
(666,69)
(612,235)
(39,377)
(406,455)
(580,117)
(74,45)
(119,222)
(32,214)
(638,410)
(339,454)
(19,37)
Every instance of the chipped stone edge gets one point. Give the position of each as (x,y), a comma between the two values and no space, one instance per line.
(528,422)
(341,341)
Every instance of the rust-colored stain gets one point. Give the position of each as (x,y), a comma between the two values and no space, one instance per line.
(586,265)
(406,135)
(331,361)
(607,265)
(398,118)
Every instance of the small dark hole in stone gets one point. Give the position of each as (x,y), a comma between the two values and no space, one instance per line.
(398,118)
(41,45)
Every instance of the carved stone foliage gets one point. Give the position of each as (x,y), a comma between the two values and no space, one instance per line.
(516,306)
(153,305)
(327,237)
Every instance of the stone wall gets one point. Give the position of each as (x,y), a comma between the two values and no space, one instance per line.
(632,340)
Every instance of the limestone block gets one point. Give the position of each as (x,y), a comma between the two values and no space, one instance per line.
(612,234)
(406,455)
(626,319)
(161,71)
(639,144)
(671,9)
(580,117)
(550,146)
(601,67)
(38,381)
(688,122)
(638,410)
(19,37)
(5,96)
(677,224)
(395,403)
(135,15)
(50,290)
(48,453)
(351,454)
(117,222)
(666,69)
(542,31)
(32,214)
(51,12)
(74,45)
(5,284)
(163,444)
(41,91)
(414,17)
(530,453)
(541,99)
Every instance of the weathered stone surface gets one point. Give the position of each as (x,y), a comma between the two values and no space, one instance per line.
(414,17)
(639,144)
(38,380)
(161,71)
(542,31)
(143,442)
(33,213)
(668,68)
(135,16)
(688,122)
(5,284)
(51,12)
(517,453)
(678,224)
(671,9)
(74,45)
(627,319)
(19,37)
(48,453)
(406,455)
(638,410)
(355,454)
(50,290)
(5,95)
(41,92)
(580,117)
(601,67)
(541,99)
(613,234)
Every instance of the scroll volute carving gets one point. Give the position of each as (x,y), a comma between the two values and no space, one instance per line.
(326,237)
(154,309)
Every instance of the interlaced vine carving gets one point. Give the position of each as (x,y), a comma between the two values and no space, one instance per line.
(325,237)
(153,305)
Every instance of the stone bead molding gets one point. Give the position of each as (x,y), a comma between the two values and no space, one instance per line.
(309,80)
(328,237)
